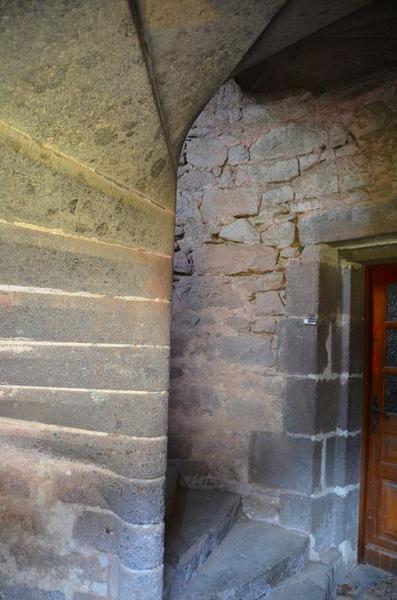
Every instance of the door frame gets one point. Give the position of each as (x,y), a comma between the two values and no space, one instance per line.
(362,525)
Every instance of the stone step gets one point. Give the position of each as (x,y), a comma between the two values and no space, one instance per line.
(199,522)
(315,582)
(252,559)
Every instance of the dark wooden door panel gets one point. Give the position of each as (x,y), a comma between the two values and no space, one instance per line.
(380,531)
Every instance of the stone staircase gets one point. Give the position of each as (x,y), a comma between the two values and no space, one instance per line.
(215,553)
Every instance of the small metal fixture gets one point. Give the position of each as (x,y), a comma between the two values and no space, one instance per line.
(310,320)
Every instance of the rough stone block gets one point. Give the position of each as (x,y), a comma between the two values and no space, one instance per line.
(101,367)
(267,172)
(321,179)
(237,154)
(206,153)
(218,206)
(278,195)
(145,585)
(247,350)
(342,466)
(33,193)
(314,406)
(283,462)
(60,317)
(136,502)
(355,387)
(268,303)
(137,547)
(353,172)
(15,591)
(349,223)
(279,234)
(241,231)
(303,288)
(111,412)
(108,452)
(302,348)
(233,259)
(288,141)
(33,258)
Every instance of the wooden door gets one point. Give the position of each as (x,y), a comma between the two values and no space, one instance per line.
(380,512)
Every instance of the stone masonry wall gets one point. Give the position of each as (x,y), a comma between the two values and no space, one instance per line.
(259,180)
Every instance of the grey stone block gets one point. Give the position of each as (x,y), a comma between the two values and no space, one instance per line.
(295,512)
(138,547)
(14,591)
(288,141)
(355,403)
(302,348)
(247,350)
(32,258)
(88,367)
(314,406)
(283,462)
(110,412)
(67,318)
(136,502)
(33,193)
(330,519)
(342,466)
(303,288)
(349,223)
(110,452)
(147,585)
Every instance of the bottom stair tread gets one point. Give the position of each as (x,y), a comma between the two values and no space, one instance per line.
(252,559)
(316,582)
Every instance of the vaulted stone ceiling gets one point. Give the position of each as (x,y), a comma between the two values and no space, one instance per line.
(318,48)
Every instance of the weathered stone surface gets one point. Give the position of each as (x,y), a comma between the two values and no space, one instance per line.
(281,234)
(247,350)
(229,260)
(208,153)
(278,195)
(241,231)
(349,223)
(237,154)
(288,141)
(319,406)
(61,317)
(268,303)
(342,465)
(277,460)
(218,207)
(33,193)
(107,130)
(322,169)
(138,547)
(201,520)
(15,591)
(252,559)
(89,367)
(112,412)
(108,452)
(353,173)
(319,180)
(137,502)
(144,585)
(34,258)
(267,172)
(295,335)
